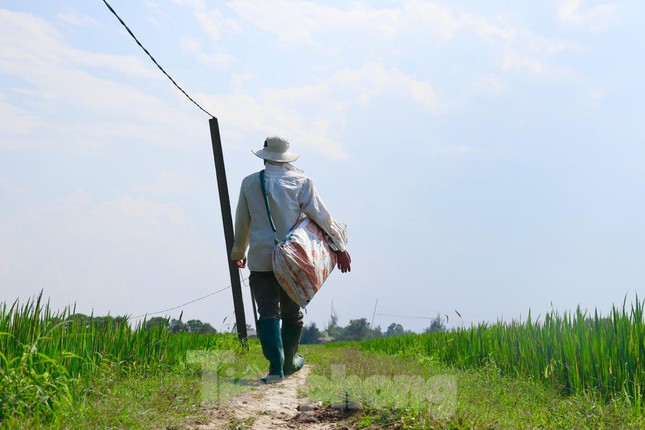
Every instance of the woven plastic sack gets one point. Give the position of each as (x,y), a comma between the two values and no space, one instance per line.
(303,262)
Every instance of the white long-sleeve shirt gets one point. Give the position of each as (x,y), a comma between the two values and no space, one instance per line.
(290,194)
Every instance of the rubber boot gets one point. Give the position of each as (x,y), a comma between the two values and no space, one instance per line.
(290,340)
(271,340)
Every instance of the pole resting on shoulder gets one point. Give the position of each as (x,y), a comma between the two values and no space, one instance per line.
(266,204)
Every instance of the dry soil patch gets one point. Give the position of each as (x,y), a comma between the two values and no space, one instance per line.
(273,407)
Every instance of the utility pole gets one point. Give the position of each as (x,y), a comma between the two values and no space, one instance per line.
(225,204)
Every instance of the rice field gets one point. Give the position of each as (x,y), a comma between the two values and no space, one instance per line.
(44,354)
(48,358)
(575,352)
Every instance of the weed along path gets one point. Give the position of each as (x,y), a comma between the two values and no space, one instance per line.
(272,407)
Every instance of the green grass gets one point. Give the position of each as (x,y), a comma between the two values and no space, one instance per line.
(177,398)
(61,371)
(575,353)
(110,399)
(485,398)
(79,343)
(573,371)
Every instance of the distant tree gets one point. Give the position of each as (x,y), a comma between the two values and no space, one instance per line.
(197,326)
(102,323)
(177,326)
(79,316)
(208,329)
(78,320)
(157,322)
(194,326)
(376,332)
(333,329)
(356,330)
(106,322)
(436,325)
(394,329)
(310,334)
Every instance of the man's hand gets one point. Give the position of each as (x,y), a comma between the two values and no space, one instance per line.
(240,264)
(344,261)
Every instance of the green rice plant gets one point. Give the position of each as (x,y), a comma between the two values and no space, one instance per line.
(575,352)
(44,353)
(65,336)
(33,384)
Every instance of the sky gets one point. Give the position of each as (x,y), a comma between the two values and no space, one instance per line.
(487,157)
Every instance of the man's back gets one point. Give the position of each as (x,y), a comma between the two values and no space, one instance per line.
(290,194)
(287,189)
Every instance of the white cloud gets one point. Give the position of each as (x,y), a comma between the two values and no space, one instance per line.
(314,113)
(533,56)
(193,46)
(52,77)
(592,18)
(525,63)
(373,80)
(215,24)
(432,18)
(301,22)
(529,53)
(382,32)
(377,37)
(195,4)
(15,122)
(264,115)
(293,22)
(76,19)
(154,7)
(38,50)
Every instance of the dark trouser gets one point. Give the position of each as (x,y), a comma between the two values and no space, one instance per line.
(279,344)
(272,301)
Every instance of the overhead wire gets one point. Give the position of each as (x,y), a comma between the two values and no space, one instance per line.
(407,316)
(185,304)
(182,305)
(153,59)
(196,104)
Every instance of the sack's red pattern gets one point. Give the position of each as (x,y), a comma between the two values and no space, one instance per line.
(303,261)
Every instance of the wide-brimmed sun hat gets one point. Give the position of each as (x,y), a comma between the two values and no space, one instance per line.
(276,149)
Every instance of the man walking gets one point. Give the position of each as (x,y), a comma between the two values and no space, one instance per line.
(290,194)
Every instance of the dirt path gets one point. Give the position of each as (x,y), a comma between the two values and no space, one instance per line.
(273,407)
